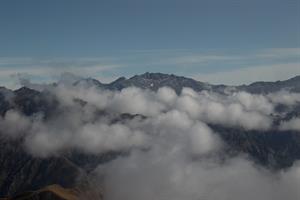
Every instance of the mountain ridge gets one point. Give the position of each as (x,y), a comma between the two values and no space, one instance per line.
(153,81)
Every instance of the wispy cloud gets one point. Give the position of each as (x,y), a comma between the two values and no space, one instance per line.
(269,54)
(215,66)
(45,70)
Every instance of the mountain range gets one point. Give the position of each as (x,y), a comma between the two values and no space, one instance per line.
(68,176)
(153,81)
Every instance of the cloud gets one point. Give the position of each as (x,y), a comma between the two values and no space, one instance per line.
(173,151)
(241,109)
(285,98)
(202,139)
(14,124)
(174,175)
(44,70)
(90,138)
(293,124)
(85,118)
(232,67)
(82,127)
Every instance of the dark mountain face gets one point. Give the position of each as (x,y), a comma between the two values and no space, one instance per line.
(88,82)
(292,85)
(273,149)
(20,172)
(5,98)
(153,81)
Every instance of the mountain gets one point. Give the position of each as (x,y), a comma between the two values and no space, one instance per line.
(47,178)
(88,82)
(21,172)
(153,81)
(5,97)
(51,192)
(292,85)
(274,149)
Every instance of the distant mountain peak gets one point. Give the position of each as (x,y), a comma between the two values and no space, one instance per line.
(87,82)
(153,76)
(121,79)
(294,79)
(292,84)
(25,90)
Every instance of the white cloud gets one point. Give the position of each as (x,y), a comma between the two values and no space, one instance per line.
(293,124)
(179,121)
(14,124)
(285,97)
(161,175)
(239,109)
(172,153)
(50,70)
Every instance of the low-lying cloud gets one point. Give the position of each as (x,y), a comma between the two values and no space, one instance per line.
(173,151)
(293,124)
(173,175)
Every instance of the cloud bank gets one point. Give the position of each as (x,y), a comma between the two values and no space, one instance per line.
(173,151)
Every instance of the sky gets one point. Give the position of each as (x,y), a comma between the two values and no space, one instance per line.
(217,41)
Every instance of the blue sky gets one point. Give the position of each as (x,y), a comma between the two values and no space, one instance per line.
(230,41)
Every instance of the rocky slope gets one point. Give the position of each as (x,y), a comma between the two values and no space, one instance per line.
(52,192)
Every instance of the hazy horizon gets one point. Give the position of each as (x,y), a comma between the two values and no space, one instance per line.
(230,42)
